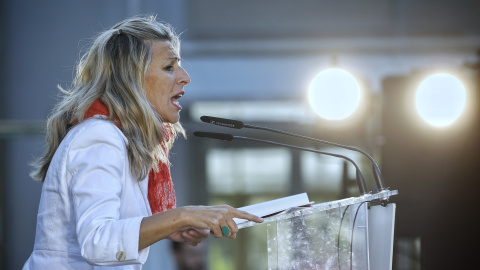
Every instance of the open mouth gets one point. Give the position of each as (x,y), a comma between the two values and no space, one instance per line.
(175,100)
(178,96)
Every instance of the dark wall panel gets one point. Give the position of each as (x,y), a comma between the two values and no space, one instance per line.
(436,172)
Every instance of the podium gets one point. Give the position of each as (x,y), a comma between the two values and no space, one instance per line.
(352,233)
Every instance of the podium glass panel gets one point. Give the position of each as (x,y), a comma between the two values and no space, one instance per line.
(321,240)
(333,235)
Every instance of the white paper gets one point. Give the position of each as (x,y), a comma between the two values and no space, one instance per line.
(274,206)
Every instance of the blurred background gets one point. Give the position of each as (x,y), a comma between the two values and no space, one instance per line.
(411,101)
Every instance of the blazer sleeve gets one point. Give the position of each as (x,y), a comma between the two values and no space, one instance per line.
(97,160)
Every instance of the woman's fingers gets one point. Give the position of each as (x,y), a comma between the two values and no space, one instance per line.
(218,219)
(194,236)
(197,234)
(222,219)
(200,221)
(232,226)
(245,215)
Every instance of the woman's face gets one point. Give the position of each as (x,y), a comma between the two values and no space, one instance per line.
(165,80)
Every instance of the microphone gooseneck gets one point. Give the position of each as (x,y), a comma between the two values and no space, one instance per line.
(228,137)
(239,124)
(213,135)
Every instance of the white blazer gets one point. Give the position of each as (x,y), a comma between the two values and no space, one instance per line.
(90,208)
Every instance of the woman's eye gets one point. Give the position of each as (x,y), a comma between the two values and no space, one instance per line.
(169,68)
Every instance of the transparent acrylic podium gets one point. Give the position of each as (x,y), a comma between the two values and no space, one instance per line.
(353,233)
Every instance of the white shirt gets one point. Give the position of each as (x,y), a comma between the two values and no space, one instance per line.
(90,208)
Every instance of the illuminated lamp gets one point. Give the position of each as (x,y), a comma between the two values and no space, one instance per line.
(440,99)
(334,94)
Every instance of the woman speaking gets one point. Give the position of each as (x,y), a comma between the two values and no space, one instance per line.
(107,194)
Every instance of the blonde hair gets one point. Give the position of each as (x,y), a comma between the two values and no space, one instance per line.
(113,70)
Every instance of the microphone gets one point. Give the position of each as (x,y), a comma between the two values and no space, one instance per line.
(228,137)
(239,125)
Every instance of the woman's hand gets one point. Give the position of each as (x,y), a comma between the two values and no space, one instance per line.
(191,224)
(213,218)
(190,236)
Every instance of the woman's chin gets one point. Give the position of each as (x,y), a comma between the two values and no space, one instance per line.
(171,119)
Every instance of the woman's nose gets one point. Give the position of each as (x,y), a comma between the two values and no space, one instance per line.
(183,78)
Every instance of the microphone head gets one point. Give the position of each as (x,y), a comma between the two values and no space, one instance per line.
(213,135)
(222,122)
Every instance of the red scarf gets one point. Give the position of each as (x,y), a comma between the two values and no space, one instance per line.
(161,195)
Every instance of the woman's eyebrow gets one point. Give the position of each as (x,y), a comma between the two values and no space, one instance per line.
(174,58)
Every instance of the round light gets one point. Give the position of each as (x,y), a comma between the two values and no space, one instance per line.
(334,94)
(440,99)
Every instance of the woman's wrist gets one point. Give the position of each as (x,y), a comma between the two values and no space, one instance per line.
(183,217)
